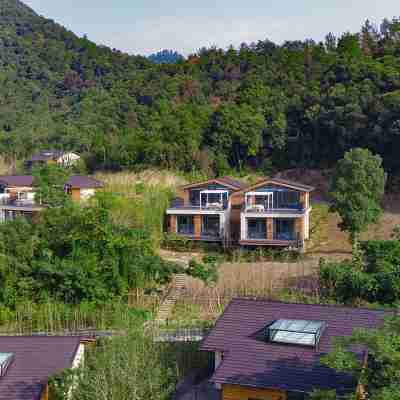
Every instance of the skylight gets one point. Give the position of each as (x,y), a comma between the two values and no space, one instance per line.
(299,332)
(5,360)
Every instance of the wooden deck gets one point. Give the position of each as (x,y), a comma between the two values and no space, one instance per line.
(269,242)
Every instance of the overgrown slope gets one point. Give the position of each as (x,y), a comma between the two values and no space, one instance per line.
(301,104)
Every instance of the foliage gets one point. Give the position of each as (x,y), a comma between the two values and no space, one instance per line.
(299,104)
(76,254)
(126,367)
(49,183)
(378,281)
(357,191)
(205,271)
(381,374)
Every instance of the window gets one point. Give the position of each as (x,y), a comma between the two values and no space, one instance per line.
(185,224)
(257,229)
(284,229)
(194,197)
(292,331)
(211,226)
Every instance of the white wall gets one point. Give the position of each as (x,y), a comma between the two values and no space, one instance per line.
(87,193)
(79,357)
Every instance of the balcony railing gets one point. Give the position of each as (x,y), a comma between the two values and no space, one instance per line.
(7,201)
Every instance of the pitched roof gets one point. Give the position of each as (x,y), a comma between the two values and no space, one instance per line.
(250,360)
(84,182)
(75,181)
(17,180)
(225,181)
(36,359)
(46,155)
(280,182)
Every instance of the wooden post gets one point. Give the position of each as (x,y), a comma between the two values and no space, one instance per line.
(270,228)
(197,226)
(173,224)
(299,227)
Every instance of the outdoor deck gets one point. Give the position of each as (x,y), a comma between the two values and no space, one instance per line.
(269,242)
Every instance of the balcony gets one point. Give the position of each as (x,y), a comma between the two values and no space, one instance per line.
(206,200)
(23,203)
(276,202)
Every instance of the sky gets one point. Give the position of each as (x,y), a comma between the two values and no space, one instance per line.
(147,26)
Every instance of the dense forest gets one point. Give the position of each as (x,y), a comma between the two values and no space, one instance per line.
(299,104)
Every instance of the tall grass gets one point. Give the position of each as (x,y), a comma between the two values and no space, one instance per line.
(58,318)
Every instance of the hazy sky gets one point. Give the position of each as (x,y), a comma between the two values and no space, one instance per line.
(146,26)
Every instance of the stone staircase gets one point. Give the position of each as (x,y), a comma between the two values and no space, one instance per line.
(166,307)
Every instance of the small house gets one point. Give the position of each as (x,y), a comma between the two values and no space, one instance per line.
(27,363)
(265,350)
(48,157)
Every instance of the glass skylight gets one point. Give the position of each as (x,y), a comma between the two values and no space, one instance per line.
(5,360)
(292,331)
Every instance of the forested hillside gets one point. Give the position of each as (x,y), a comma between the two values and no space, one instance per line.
(301,104)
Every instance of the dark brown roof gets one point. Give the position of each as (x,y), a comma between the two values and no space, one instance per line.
(249,360)
(225,181)
(16,180)
(84,182)
(290,184)
(36,359)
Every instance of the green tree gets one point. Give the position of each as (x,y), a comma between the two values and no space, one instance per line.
(381,375)
(357,190)
(237,132)
(49,183)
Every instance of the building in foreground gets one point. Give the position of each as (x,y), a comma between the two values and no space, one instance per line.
(17,194)
(272,351)
(27,363)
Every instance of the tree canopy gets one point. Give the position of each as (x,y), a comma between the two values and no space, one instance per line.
(299,104)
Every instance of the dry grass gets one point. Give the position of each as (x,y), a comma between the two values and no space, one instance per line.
(331,240)
(6,168)
(125,182)
(264,279)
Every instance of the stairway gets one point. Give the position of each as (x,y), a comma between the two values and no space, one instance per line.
(166,307)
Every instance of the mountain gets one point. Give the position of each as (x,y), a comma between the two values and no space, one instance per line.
(166,57)
(265,106)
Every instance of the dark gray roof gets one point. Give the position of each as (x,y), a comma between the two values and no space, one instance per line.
(249,360)
(36,359)
(306,188)
(16,180)
(84,182)
(225,180)
(46,155)
(75,181)
(233,182)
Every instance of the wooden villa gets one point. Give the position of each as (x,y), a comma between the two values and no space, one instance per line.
(273,212)
(203,211)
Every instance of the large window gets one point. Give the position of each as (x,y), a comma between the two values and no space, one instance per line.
(287,199)
(211,226)
(257,228)
(185,224)
(194,197)
(284,229)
